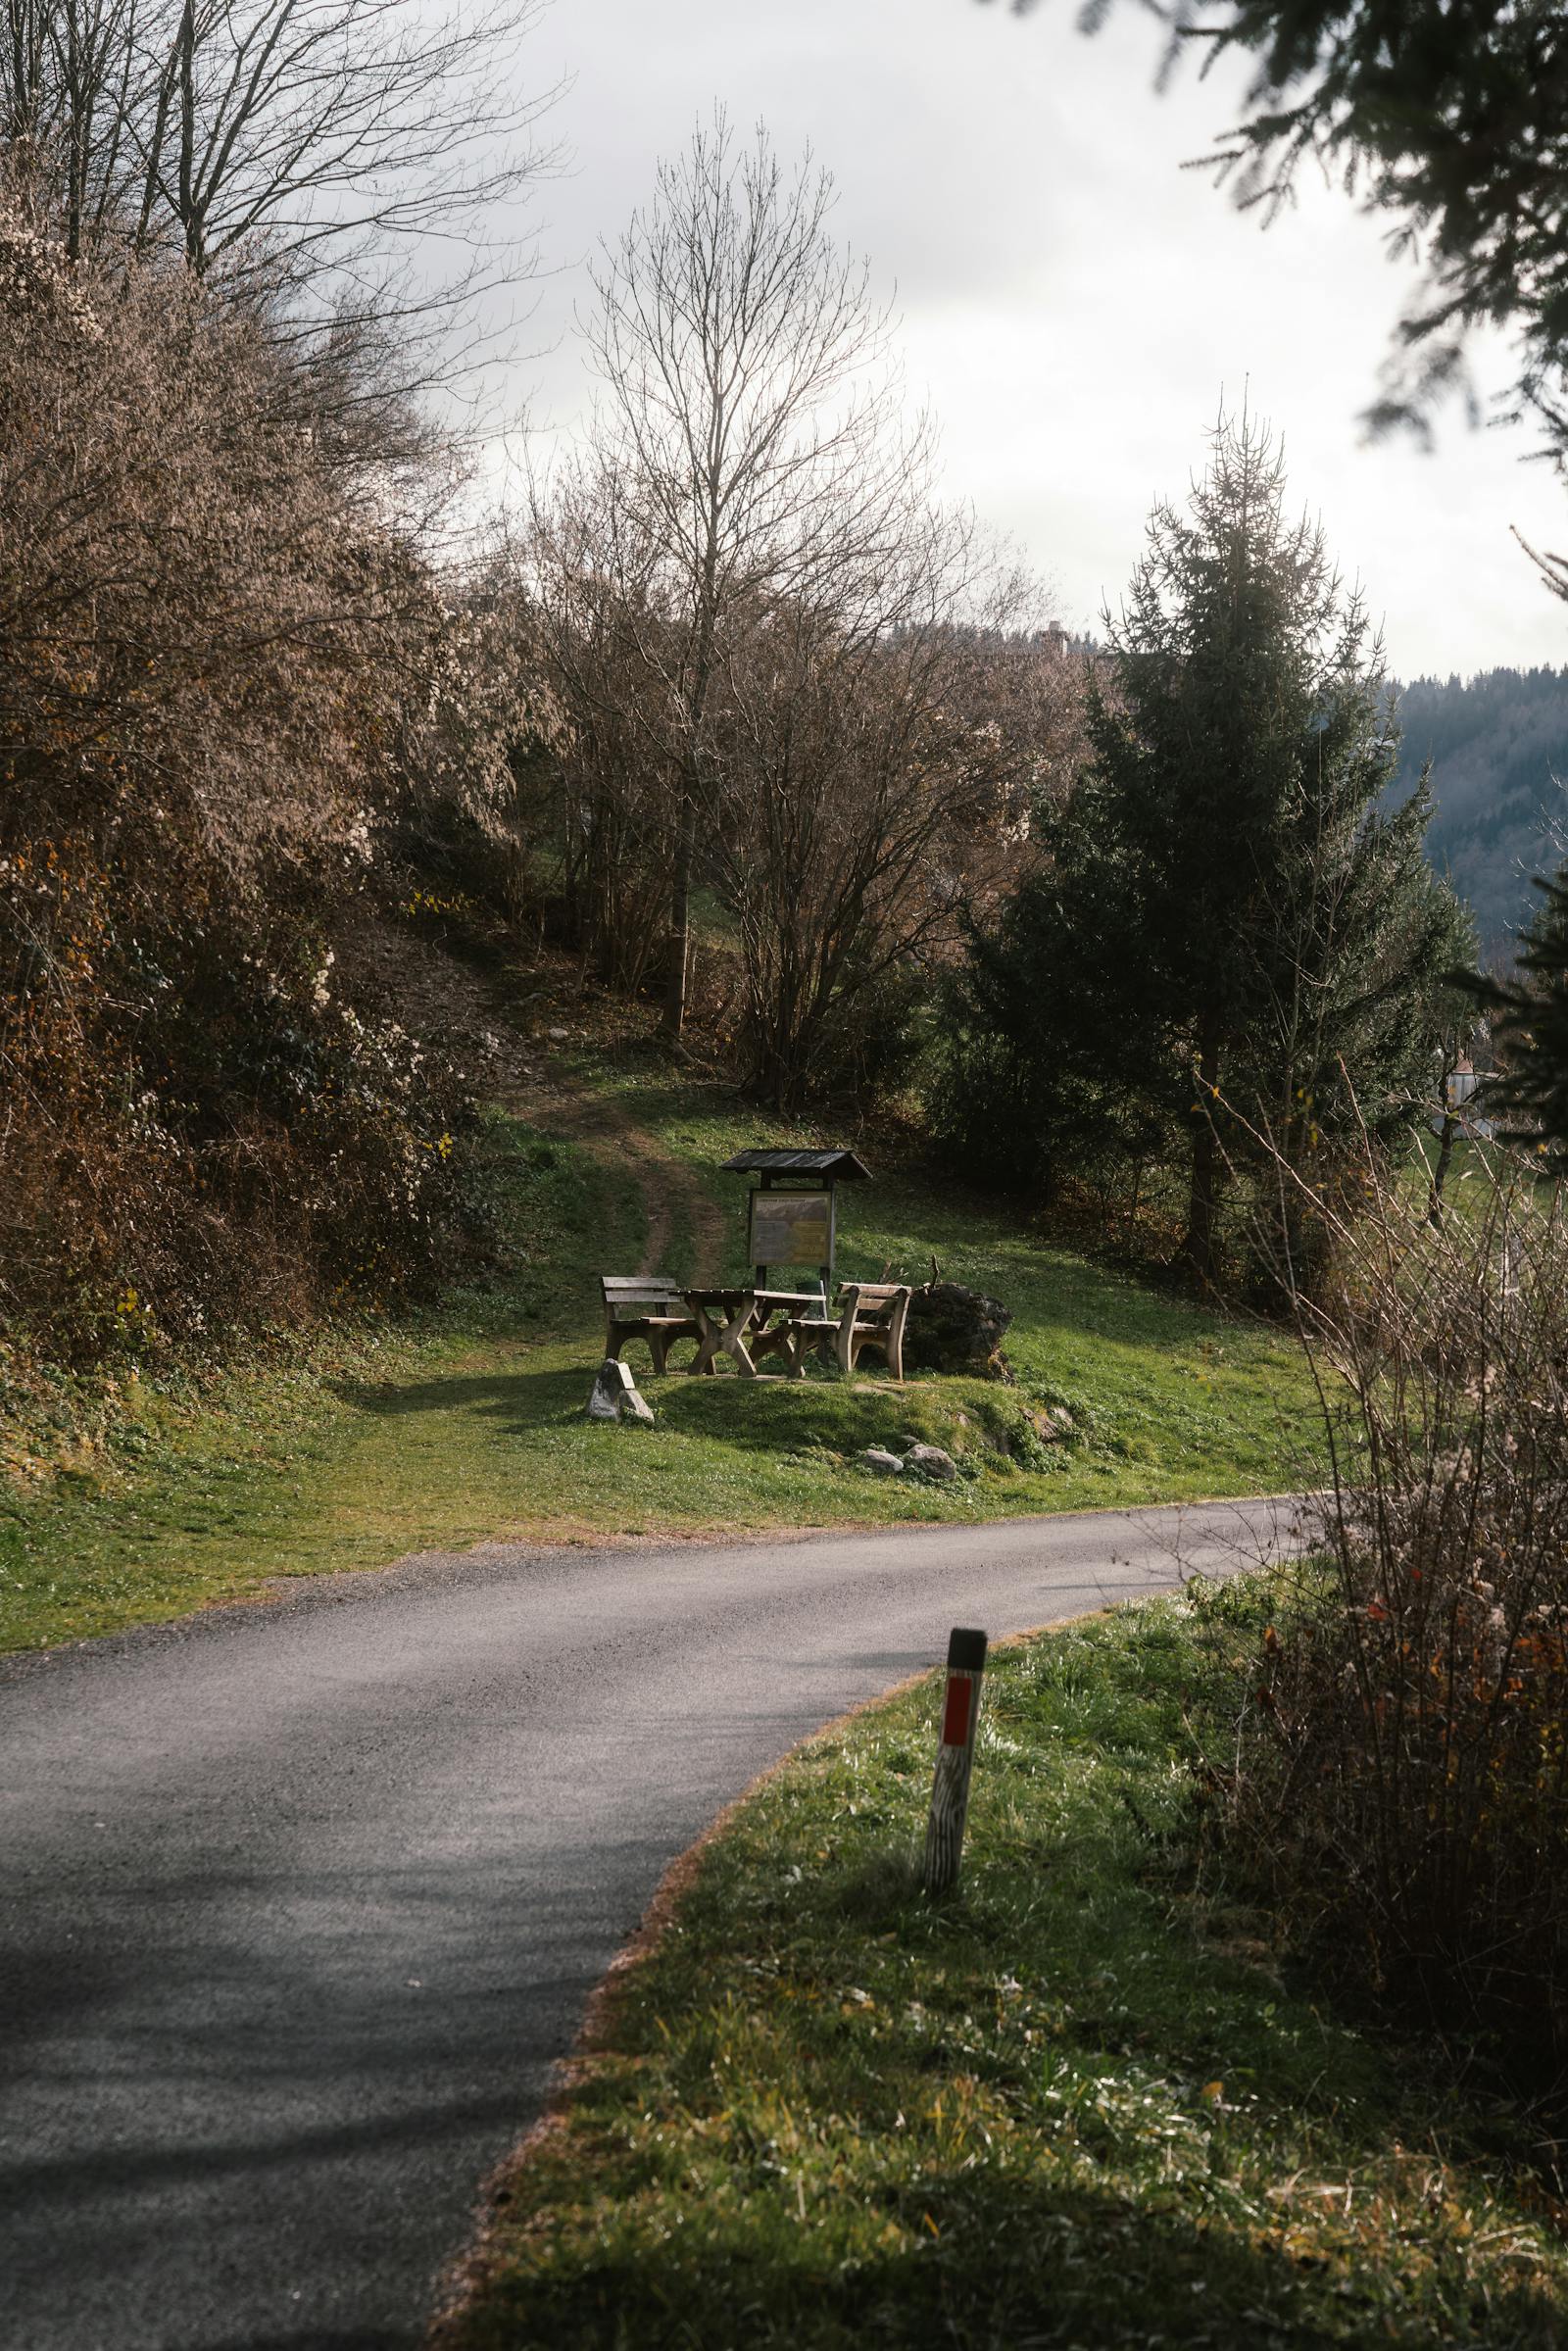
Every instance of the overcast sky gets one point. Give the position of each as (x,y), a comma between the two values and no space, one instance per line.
(1073,304)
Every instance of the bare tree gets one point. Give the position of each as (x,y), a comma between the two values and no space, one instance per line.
(69,87)
(300,147)
(749,449)
(878,787)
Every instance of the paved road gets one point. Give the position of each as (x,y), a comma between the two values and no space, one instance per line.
(302,1901)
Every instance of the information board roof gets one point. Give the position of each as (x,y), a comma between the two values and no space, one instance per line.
(839,1167)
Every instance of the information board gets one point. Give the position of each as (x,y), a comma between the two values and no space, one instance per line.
(792,1228)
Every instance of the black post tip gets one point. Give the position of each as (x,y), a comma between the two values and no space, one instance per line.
(967,1650)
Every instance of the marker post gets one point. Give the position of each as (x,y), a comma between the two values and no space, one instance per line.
(949,1789)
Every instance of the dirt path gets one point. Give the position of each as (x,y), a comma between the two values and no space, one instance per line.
(439,997)
(672,1193)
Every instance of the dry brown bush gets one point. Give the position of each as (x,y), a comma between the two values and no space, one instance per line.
(202,615)
(1409,1776)
(209,622)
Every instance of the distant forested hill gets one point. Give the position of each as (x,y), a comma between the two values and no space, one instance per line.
(1498,746)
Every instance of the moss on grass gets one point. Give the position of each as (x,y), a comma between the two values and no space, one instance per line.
(1087,2103)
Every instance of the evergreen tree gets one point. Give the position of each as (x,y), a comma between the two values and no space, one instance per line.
(1226,934)
(1530,1031)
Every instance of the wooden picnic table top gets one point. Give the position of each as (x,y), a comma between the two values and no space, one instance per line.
(761,1297)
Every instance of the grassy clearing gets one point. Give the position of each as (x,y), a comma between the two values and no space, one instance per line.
(201,1489)
(1183,1396)
(1087,2103)
(449,1427)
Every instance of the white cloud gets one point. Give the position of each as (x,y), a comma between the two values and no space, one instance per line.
(1073,303)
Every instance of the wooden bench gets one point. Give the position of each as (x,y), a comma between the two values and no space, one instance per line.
(870,1315)
(646,1305)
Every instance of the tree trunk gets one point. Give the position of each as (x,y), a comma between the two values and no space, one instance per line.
(1199,1246)
(680,930)
(189,217)
(1441,1173)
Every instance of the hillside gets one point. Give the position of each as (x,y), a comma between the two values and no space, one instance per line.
(460,1418)
(1499,746)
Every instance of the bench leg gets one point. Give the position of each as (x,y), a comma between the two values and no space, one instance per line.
(845,1349)
(658,1348)
(789,1346)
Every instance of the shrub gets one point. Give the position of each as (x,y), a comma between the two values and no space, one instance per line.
(208,631)
(201,1135)
(1409,1776)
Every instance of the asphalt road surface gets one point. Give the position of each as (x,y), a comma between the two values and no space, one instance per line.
(302,1901)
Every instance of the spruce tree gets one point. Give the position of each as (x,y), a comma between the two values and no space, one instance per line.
(1530,1032)
(1228,937)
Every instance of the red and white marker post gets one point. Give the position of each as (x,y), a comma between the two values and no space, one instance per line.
(950,1790)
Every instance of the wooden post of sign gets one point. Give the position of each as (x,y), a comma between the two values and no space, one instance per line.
(950,1790)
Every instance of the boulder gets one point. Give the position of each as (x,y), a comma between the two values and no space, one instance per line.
(930,1461)
(615,1395)
(886,1464)
(956,1329)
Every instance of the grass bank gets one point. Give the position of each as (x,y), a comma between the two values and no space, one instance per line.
(351,1447)
(1088,2102)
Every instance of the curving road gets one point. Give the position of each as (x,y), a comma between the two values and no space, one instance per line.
(302,1901)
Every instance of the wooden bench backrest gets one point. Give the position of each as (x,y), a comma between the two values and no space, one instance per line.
(640,1290)
(875,1294)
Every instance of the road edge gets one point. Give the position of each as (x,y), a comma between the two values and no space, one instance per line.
(284,1592)
(470,2271)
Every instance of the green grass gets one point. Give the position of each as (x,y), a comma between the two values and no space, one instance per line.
(1088,2102)
(1188,1397)
(205,1488)
(351,1447)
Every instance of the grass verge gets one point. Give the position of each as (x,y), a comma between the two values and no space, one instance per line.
(1086,2103)
(353,1447)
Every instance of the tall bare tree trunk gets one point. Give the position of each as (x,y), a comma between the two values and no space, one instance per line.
(189,217)
(1199,1246)
(680,925)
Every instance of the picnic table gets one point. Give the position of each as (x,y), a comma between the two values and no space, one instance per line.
(745,1323)
(740,1320)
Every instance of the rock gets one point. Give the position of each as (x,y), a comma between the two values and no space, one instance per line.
(953,1329)
(886,1464)
(558,1036)
(615,1395)
(614,1381)
(931,1461)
